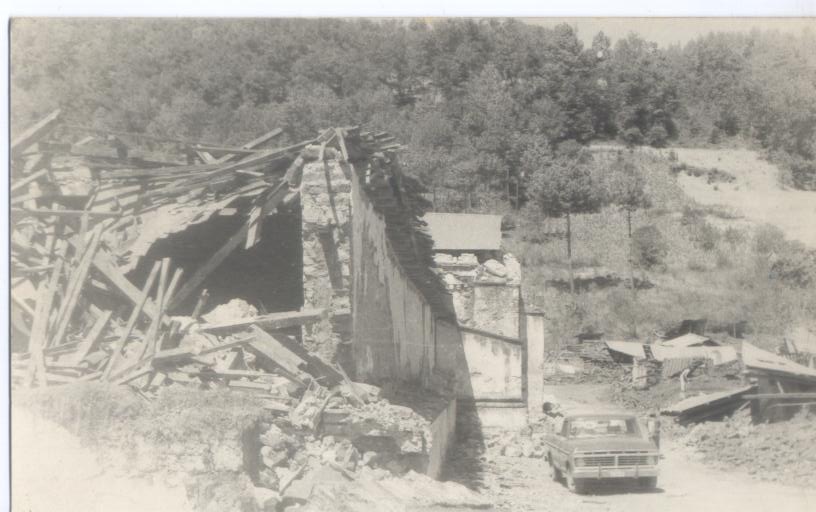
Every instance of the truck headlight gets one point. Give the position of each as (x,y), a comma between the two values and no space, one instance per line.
(580,462)
(651,460)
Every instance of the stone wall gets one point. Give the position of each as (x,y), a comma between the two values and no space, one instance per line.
(325,198)
(393,324)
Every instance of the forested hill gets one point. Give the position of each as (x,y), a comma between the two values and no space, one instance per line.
(474,101)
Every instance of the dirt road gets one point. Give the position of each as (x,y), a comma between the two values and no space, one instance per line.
(521,484)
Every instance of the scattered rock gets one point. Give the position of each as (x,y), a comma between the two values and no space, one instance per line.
(266,499)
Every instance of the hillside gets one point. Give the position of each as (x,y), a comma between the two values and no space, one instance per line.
(721,260)
(756,193)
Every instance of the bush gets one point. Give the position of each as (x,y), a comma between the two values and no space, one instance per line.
(734,236)
(657,136)
(649,247)
(633,136)
(706,236)
(768,239)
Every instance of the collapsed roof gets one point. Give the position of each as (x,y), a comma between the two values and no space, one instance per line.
(86,209)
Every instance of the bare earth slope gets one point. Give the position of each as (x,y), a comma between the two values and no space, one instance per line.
(756,193)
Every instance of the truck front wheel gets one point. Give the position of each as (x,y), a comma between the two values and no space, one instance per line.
(555,475)
(647,483)
(575,486)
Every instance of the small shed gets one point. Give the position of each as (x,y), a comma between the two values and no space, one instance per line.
(464,232)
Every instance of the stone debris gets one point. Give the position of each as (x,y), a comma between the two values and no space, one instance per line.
(781,452)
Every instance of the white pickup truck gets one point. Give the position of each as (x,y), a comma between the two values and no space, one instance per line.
(593,447)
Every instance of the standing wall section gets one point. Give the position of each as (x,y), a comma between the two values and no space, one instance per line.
(392,322)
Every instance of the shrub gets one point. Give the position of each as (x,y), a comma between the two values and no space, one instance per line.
(734,236)
(768,239)
(649,247)
(633,136)
(657,136)
(706,236)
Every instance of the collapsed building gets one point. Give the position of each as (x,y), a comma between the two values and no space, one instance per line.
(294,271)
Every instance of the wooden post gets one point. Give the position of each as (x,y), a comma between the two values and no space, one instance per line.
(36,342)
(74,287)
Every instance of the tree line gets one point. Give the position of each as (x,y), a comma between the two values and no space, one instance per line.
(485,108)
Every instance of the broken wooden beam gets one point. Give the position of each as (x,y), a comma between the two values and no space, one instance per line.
(277,354)
(91,339)
(271,321)
(134,317)
(780,396)
(219,256)
(74,288)
(35,132)
(28,179)
(42,212)
(39,327)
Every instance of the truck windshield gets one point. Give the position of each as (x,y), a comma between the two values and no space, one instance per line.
(602,427)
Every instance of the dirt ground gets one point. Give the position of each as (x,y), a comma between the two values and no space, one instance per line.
(685,483)
(51,470)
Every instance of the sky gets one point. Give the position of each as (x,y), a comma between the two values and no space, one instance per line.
(667,31)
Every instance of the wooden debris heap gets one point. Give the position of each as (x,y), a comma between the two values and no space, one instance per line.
(75,314)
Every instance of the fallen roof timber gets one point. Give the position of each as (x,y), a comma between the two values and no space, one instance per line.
(271,321)
(34,133)
(709,406)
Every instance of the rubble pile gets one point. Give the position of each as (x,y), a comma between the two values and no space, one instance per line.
(86,305)
(583,363)
(666,392)
(782,452)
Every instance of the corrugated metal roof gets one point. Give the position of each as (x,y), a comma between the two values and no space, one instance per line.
(701,400)
(464,231)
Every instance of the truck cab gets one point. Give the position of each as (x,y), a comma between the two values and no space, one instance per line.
(588,448)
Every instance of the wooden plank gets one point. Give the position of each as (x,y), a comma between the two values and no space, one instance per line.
(203,297)
(36,132)
(103,264)
(91,339)
(230,374)
(21,303)
(36,342)
(220,151)
(74,287)
(269,347)
(255,224)
(153,330)
(42,212)
(781,396)
(134,317)
(226,346)
(218,258)
(253,144)
(28,179)
(270,321)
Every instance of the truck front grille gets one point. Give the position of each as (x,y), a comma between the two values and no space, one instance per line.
(632,460)
(600,460)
